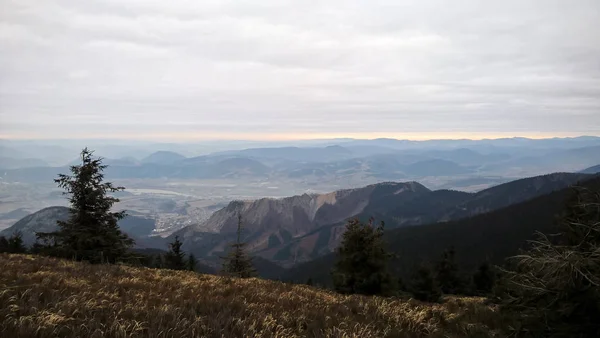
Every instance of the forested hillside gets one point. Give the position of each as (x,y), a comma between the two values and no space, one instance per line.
(492,236)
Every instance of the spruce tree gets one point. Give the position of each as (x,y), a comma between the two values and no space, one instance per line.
(362,262)
(400,285)
(424,286)
(3,244)
(192,262)
(158,262)
(175,257)
(554,287)
(91,233)
(446,273)
(484,278)
(237,262)
(15,243)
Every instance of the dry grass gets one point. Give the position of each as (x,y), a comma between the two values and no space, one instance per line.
(45,297)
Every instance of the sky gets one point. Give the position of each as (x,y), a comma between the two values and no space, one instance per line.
(278,69)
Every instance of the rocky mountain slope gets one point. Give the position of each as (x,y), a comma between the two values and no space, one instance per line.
(432,207)
(271,223)
(301,228)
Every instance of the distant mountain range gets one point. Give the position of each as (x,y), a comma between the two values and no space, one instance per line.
(163,157)
(60,152)
(308,154)
(298,229)
(481,145)
(16,163)
(591,170)
(376,159)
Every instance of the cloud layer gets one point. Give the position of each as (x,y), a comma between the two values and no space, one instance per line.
(140,68)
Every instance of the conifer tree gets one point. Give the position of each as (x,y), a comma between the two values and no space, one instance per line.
(192,262)
(446,273)
(175,257)
(237,262)
(158,262)
(400,285)
(15,243)
(484,278)
(91,233)
(424,286)
(3,244)
(362,264)
(554,286)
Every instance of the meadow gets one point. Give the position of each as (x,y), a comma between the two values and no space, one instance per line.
(48,297)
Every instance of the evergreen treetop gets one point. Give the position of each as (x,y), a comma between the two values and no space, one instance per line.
(91,233)
(237,262)
(447,274)
(484,278)
(362,265)
(3,244)
(175,257)
(191,262)
(554,286)
(424,286)
(14,244)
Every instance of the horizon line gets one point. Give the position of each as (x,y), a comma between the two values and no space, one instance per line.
(290,137)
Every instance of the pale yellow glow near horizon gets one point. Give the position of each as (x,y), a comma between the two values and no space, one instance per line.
(207,136)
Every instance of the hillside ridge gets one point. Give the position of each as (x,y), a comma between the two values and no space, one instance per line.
(302,227)
(492,236)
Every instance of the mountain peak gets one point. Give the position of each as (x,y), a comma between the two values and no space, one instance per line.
(41,221)
(413,186)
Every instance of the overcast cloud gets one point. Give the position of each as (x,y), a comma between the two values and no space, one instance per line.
(242,69)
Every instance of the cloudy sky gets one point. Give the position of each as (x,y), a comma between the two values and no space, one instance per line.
(270,69)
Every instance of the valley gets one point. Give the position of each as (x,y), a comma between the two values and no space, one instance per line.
(173,203)
(179,191)
(294,201)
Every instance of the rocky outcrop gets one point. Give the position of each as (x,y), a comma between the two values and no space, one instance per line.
(273,223)
(303,227)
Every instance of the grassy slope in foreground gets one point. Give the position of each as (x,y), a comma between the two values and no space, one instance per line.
(46,297)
